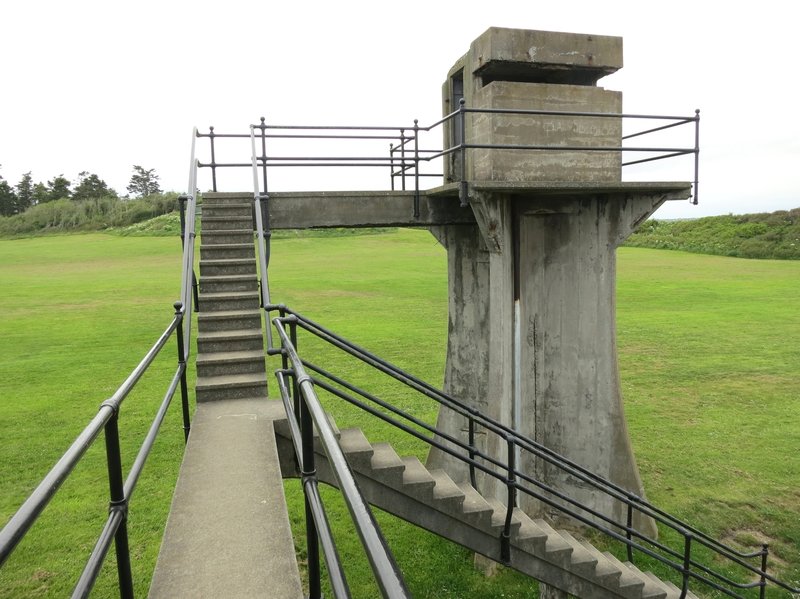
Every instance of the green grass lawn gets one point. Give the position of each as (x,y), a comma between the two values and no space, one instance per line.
(709,352)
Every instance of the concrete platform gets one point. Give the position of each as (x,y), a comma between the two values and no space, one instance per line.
(228,531)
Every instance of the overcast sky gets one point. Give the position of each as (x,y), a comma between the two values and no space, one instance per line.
(100,86)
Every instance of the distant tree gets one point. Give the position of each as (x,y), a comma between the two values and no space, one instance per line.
(58,188)
(90,186)
(40,194)
(24,190)
(143,182)
(8,199)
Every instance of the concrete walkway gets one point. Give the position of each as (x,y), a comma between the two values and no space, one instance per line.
(228,531)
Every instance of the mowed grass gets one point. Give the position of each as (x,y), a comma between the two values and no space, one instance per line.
(78,314)
(708,348)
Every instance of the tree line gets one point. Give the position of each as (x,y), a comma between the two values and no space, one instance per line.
(25,194)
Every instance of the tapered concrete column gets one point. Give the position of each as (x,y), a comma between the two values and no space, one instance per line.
(556,255)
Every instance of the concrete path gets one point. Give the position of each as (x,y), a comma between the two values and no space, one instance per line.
(228,531)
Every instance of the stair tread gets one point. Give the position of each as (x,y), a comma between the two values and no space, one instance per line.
(230,380)
(628,578)
(445,487)
(228,295)
(653,588)
(355,445)
(233,334)
(222,314)
(415,472)
(604,568)
(384,457)
(474,502)
(223,261)
(229,356)
(580,557)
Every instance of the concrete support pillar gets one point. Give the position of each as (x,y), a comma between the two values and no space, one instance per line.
(555,254)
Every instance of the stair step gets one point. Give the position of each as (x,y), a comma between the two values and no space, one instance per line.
(226,223)
(387,465)
(475,508)
(230,300)
(499,516)
(581,561)
(605,572)
(230,362)
(232,266)
(446,493)
(653,588)
(221,251)
(227,210)
(244,235)
(226,199)
(234,320)
(236,386)
(223,283)
(530,537)
(556,549)
(357,449)
(629,584)
(417,480)
(227,340)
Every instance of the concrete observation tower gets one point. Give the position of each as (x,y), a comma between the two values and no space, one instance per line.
(532,283)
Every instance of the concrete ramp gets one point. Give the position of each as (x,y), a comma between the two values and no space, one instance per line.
(228,531)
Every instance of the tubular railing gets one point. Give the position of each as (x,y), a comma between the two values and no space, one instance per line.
(304,413)
(696,560)
(408,160)
(121,487)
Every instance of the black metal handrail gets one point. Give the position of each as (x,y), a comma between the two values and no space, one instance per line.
(683,560)
(405,157)
(121,487)
(305,414)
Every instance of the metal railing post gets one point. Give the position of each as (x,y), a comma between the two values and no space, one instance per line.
(628,533)
(213,161)
(295,386)
(511,481)
(763,581)
(472,453)
(462,191)
(118,503)
(309,473)
(696,154)
(179,312)
(416,169)
(391,163)
(687,562)
(263,127)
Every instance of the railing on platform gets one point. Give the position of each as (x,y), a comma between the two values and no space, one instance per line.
(408,159)
(121,487)
(698,559)
(304,413)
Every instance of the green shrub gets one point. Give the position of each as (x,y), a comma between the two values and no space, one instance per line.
(773,235)
(86,215)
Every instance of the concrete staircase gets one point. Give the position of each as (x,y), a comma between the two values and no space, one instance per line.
(404,487)
(230,346)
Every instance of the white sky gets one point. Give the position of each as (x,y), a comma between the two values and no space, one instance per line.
(102,85)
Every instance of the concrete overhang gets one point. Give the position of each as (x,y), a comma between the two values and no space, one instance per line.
(544,56)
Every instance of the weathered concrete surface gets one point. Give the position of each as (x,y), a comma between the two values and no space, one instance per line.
(228,531)
(304,210)
(560,249)
(543,130)
(543,56)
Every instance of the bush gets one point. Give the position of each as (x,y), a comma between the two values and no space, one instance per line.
(773,235)
(86,215)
